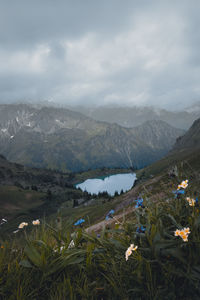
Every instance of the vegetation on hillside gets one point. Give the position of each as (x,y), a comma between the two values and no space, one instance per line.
(50,262)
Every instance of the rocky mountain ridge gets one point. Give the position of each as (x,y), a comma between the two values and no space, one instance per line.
(58,138)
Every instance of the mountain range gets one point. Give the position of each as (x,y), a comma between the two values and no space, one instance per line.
(66,140)
(133,116)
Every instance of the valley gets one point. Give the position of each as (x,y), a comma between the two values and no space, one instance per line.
(28,193)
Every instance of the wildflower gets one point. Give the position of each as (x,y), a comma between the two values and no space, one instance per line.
(187,230)
(71,244)
(59,249)
(183,233)
(139,202)
(130,250)
(177,193)
(36,222)
(183,184)
(2,246)
(141,229)
(22,225)
(191,201)
(110,214)
(79,222)
(177,232)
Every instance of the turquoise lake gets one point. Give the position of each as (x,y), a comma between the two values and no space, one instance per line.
(109,184)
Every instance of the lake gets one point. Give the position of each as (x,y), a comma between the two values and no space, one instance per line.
(109,184)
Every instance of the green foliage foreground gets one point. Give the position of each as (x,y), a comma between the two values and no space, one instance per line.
(48,266)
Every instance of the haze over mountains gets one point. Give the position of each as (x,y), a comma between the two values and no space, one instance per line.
(137,115)
(59,138)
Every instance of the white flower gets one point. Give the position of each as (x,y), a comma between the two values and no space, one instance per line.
(183,233)
(71,245)
(183,184)
(177,232)
(191,201)
(130,250)
(22,225)
(36,222)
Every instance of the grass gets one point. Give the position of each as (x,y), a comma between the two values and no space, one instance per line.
(190,159)
(39,264)
(14,199)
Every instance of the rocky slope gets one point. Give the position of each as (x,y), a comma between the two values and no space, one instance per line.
(61,139)
(186,151)
(191,139)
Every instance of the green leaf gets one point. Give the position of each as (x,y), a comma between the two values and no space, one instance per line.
(25,263)
(34,256)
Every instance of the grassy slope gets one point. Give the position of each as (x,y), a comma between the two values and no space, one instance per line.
(163,266)
(190,157)
(96,268)
(14,200)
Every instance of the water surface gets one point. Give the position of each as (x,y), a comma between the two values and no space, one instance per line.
(109,184)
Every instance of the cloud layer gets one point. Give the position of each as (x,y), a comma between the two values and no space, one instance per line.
(100,52)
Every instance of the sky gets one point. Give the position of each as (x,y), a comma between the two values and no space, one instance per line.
(108,52)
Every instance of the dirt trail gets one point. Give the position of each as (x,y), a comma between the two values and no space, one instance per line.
(126,201)
(99,226)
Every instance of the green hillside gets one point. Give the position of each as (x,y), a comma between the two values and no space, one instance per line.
(144,251)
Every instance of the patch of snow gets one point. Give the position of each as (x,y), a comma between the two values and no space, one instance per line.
(12,136)
(4,129)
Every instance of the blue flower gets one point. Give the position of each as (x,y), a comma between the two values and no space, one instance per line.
(141,229)
(139,202)
(110,214)
(79,222)
(178,192)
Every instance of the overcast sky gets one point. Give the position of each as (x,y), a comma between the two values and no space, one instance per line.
(142,52)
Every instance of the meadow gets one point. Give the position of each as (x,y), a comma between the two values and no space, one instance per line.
(153,253)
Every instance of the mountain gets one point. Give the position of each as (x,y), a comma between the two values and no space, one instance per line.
(190,140)
(157,134)
(58,138)
(185,151)
(134,116)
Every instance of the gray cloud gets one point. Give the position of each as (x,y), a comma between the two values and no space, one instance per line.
(100,52)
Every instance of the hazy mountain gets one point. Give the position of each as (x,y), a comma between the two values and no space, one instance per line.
(134,116)
(186,149)
(62,139)
(191,139)
(157,134)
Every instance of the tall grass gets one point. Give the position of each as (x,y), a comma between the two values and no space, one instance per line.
(42,264)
